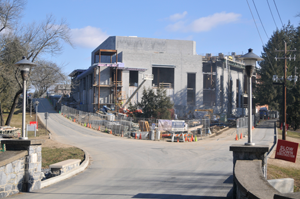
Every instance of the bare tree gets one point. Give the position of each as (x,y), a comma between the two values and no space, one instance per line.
(10,12)
(44,75)
(46,37)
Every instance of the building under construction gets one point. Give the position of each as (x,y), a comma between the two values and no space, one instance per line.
(119,65)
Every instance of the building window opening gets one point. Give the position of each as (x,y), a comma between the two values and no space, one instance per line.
(221,90)
(133,78)
(209,84)
(163,77)
(237,92)
(191,88)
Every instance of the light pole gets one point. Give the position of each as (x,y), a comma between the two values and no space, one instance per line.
(250,62)
(24,66)
(36,111)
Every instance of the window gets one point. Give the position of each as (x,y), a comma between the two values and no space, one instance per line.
(163,77)
(237,92)
(133,78)
(221,90)
(91,80)
(191,88)
(209,81)
(209,84)
(84,84)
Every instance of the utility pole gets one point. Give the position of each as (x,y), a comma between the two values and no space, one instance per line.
(284,84)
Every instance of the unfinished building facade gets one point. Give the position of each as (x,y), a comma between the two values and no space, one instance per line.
(119,64)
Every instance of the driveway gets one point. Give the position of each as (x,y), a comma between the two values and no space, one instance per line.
(128,168)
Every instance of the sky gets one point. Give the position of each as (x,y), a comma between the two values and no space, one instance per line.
(216,25)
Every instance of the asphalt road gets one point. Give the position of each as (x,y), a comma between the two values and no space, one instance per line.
(128,168)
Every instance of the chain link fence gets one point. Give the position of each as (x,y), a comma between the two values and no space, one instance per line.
(139,127)
(242,125)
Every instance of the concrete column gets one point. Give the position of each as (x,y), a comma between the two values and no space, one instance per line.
(33,161)
(248,152)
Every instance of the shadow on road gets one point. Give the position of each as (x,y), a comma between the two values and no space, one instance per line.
(266,124)
(173,196)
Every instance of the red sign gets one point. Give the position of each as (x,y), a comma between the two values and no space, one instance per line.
(286,150)
(32,123)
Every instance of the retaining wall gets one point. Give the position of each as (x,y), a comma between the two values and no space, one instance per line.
(20,167)
(251,183)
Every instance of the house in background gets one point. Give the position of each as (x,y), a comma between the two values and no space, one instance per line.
(62,89)
(119,64)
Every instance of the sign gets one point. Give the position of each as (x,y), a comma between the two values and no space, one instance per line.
(34,123)
(171,125)
(46,115)
(178,125)
(286,150)
(119,65)
(31,127)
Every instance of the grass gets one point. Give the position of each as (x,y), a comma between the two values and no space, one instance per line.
(275,172)
(53,155)
(16,121)
(293,134)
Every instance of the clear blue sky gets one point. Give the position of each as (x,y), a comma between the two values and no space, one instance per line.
(215,25)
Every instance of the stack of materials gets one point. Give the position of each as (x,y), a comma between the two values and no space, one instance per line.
(144,125)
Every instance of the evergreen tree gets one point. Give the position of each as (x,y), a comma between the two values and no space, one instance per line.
(156,105)
(268,93)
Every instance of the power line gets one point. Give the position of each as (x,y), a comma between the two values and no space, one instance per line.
(272,13)
(278,13)
(260,19)
(260,36)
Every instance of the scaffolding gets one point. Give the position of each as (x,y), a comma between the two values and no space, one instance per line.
(116,96)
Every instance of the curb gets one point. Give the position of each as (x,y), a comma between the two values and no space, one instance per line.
(62,177)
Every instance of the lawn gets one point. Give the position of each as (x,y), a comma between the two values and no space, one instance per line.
(276,172)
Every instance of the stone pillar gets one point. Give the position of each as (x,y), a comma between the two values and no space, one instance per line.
(247,152)
(33,162)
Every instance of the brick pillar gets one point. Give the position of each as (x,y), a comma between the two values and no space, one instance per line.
(33,162)
(245,152)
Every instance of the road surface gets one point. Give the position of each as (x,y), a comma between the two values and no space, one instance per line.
(128,168)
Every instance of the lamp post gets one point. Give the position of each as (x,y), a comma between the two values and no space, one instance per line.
(36,111)
(24,66)
(250,62)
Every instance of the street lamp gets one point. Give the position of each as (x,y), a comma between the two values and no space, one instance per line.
(250,62)
(24,66)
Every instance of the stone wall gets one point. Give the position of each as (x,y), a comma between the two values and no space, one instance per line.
(12,172)
(20,167)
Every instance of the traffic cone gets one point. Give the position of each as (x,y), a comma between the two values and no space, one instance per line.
(241,137)
(186,138)
(74,120)
(99,128)
(236,137)
(90,126)
(177,139)
(192,138)
(252,127)
(135,136)
(140,136)
(110,132)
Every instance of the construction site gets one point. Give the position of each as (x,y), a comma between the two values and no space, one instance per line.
(205,90)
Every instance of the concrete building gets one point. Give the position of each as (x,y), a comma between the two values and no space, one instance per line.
(119,64)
